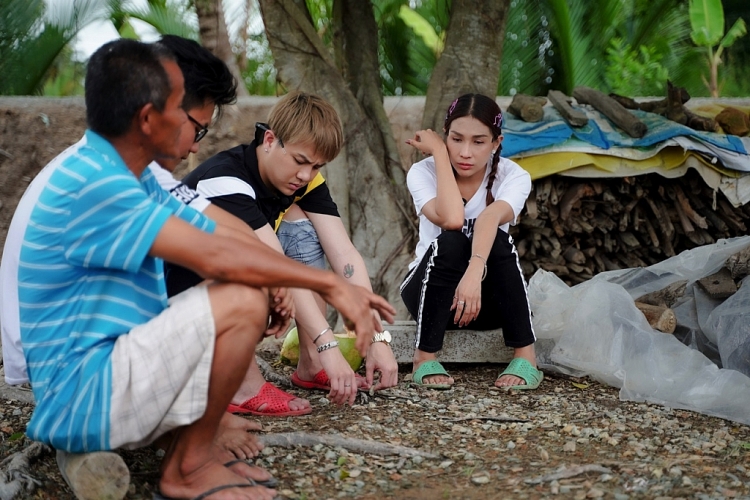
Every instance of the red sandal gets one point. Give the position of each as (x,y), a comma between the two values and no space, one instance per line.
(321,381)
(276,401)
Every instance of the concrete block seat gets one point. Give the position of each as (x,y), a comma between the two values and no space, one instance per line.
(460,346)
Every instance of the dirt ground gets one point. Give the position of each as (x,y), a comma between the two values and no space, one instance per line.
(487,444)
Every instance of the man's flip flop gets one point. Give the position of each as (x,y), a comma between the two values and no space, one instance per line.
(321,382)
(522,369)
(428,369)
(276,401)
(271,482)
(206,494)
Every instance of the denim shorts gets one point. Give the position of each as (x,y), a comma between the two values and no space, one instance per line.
(300,242)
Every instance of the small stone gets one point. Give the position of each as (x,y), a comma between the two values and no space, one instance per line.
(570,446)
(675,472)
(316,448)
(686,481)
(480,479)
(510,445)
(324,401)
(594,493)
(267,451)
(445,464)
(355,473)
(417,460)
(17,412)
(330,454)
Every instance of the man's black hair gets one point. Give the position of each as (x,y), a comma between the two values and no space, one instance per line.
(207,78)
(122,76)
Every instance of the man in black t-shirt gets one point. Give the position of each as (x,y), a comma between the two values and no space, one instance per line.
(278,174)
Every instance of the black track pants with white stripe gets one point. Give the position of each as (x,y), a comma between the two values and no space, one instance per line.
(428,291)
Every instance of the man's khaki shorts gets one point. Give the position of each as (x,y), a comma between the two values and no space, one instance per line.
(161,371)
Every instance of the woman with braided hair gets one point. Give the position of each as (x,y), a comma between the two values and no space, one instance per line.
(466,273)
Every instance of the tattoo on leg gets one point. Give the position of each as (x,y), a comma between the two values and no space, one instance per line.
(348,271)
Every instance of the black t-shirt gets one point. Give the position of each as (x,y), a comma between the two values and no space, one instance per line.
(231,180)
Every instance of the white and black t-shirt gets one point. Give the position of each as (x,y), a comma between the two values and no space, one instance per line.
(512,185)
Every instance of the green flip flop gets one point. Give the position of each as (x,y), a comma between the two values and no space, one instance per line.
(522,369)
(427,369)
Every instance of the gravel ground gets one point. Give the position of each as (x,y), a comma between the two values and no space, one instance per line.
(571,438)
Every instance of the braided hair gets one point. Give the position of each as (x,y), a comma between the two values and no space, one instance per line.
(487,111)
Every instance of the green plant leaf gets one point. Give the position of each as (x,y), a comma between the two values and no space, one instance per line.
(15,436)
(738,29)
(707,21)
(422,28)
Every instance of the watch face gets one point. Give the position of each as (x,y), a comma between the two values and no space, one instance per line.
(387,336)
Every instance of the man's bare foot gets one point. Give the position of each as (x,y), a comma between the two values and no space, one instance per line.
(231,421)
(240,443)
(241,468)
(419,358)
(205,477)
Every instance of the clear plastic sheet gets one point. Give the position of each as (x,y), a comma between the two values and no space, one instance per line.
(595,329)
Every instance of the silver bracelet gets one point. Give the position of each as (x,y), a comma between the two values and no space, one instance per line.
(328,345)
(484,261)
(321,334)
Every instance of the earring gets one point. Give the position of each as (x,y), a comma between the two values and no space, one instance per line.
(265,149)
(493,151)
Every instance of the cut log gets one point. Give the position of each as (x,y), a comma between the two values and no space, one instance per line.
(659,317)
(561,102)
(616,223)
(733,121)
(612,110)
(666,296)
(528,108)
(739,264)
(101,475)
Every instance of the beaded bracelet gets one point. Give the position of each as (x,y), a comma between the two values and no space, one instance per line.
(484,261)
(328,345)
(321,333)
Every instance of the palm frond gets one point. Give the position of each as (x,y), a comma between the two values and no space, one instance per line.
(524,66)
(167,20)
(48,32)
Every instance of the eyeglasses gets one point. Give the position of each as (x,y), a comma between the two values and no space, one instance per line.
(201,131)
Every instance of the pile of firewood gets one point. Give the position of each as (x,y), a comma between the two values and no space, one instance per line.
(577,228)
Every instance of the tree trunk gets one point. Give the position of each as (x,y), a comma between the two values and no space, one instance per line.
(365,179)
(470,61)
(213,33)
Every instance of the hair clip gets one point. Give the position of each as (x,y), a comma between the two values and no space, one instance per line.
(453,106)
(498,120)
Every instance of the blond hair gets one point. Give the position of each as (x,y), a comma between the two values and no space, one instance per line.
(299,117)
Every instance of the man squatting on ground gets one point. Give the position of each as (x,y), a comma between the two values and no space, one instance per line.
(279,174)
(209,85)
(111,363)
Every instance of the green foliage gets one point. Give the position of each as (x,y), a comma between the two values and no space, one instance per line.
(32,37)
(634,72)
(707,23)
(259,74)
(66,76)
(410,36)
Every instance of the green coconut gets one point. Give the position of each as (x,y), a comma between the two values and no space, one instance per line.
(290,349)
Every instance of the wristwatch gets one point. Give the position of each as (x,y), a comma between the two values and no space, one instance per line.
(384,336)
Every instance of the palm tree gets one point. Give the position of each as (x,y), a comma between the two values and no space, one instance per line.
(34,35)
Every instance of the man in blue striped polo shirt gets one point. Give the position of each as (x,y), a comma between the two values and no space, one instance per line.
(111,363)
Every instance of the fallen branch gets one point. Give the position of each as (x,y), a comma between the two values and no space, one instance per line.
(15,477)
(494,419)
(291,439)
(564,473)
(270,374)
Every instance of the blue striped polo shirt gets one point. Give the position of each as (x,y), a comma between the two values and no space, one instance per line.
(84,279)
